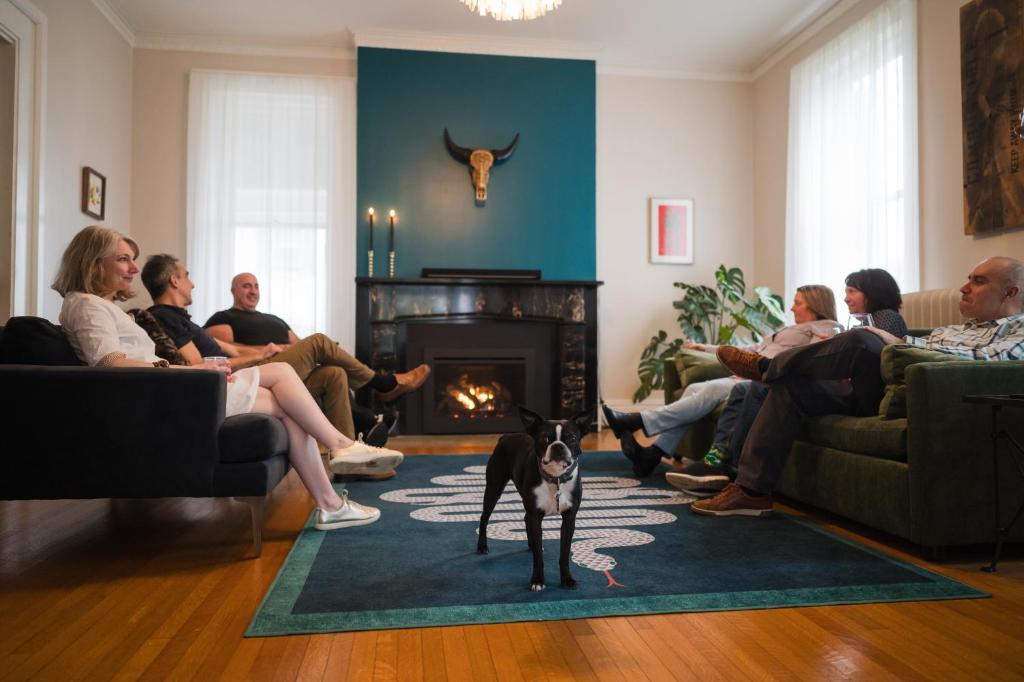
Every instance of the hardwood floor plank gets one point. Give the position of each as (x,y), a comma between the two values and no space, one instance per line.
(658,636)
(708,650)
(314,663)
(434,669)
(599,657)
(548,652)
(458,667)
(561,634)
(364,652)
(410,656)
(340,656)
(526,655)
(385,665)
(647,661)
(506,665)
(480,661)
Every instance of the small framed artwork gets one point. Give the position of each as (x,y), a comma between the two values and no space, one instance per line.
(94,193)
(672,231)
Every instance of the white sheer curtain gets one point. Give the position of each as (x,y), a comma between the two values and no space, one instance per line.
(271,184)
(852,181)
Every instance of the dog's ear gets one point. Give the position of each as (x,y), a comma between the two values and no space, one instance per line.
(531,420)
(583,420)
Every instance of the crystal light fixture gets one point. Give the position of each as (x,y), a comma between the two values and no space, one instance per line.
(512,10)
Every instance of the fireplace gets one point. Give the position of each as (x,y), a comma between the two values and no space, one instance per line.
(494,341)
(483,368)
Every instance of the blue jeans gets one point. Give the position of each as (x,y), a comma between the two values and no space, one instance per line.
(672,421)
(741,409)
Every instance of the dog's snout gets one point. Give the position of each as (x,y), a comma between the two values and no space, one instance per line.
(559,451)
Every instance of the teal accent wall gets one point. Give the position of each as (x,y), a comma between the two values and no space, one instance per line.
(540,210)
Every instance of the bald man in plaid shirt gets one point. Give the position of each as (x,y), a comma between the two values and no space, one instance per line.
(802,380)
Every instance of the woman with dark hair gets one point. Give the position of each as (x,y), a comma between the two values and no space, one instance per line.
(870,291)
(873,291)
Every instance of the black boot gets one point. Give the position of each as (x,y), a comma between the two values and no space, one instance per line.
(622,422)
(645,459)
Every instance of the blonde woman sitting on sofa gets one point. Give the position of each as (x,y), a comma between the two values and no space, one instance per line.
(814,311)
(98,268)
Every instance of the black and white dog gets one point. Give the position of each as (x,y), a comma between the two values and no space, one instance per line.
(544,465)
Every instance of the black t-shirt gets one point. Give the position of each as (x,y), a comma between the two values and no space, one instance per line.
(251,327)
(179,326)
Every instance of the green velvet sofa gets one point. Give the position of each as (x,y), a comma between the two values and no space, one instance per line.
(926,476)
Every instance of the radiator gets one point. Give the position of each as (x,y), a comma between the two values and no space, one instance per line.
(932,308)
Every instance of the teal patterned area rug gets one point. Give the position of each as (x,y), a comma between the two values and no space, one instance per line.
(637,549)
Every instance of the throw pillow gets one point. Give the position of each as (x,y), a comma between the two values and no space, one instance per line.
(165,348)
(695,365)
(894,363)
(35,341)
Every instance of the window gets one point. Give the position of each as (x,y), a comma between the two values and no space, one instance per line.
(852,185)
(270,186)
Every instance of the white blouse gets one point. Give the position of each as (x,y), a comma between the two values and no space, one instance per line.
(96,327)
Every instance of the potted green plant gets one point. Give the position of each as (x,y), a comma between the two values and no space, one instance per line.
(713,316)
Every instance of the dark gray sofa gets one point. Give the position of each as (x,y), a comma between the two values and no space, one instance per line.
(77,432)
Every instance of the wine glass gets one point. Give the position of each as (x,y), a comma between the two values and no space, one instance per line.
(860,320)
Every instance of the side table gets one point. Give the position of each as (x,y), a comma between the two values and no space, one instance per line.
(997,402)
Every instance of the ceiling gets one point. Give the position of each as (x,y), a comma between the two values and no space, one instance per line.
(713,38)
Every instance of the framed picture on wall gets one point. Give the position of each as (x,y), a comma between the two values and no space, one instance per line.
(94,193)
(672,230)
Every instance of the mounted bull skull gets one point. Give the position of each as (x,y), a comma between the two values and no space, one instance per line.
(480,162)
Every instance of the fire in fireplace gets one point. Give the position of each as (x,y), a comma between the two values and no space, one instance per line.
(483,369)
(476,390)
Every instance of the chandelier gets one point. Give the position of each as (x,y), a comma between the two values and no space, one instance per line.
(512,10)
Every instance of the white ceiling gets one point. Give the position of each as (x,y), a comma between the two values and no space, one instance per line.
(714,38)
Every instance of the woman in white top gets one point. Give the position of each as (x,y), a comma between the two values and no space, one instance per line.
(98,268)
(814,311)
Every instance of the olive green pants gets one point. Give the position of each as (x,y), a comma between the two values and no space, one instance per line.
(328,371)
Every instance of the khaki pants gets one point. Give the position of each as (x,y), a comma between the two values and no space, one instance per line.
(328,371)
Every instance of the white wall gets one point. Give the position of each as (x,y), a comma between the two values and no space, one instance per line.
(161,135)
(88,123)
(947,254)
(684,139)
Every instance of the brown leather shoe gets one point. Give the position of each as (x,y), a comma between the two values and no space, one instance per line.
(732,501)
(407,382)
(742,363)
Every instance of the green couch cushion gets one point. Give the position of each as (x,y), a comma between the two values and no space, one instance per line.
(872,436)
(895,360)
(695,365)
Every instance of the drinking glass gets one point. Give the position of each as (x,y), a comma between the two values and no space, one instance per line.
(219,363)
(860,320)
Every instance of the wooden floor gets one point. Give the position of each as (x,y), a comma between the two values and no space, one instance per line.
(164,589)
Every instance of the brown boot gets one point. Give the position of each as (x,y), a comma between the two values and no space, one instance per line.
(742,363)
(733,501)
(407,382)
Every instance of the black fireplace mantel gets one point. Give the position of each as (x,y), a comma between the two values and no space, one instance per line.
(384,304)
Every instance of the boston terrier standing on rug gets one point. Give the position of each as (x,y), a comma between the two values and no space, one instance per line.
(544,465)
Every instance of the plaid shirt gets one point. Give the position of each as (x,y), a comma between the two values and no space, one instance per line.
(1001,339)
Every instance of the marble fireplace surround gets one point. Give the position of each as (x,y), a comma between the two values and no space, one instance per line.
(383,306)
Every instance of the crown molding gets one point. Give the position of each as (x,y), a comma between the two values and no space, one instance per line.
(470,44)
(233,45)
(116,20)
(673,75)
(839,9)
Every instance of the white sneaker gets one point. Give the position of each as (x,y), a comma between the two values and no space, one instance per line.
(360,458)
(350,514)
